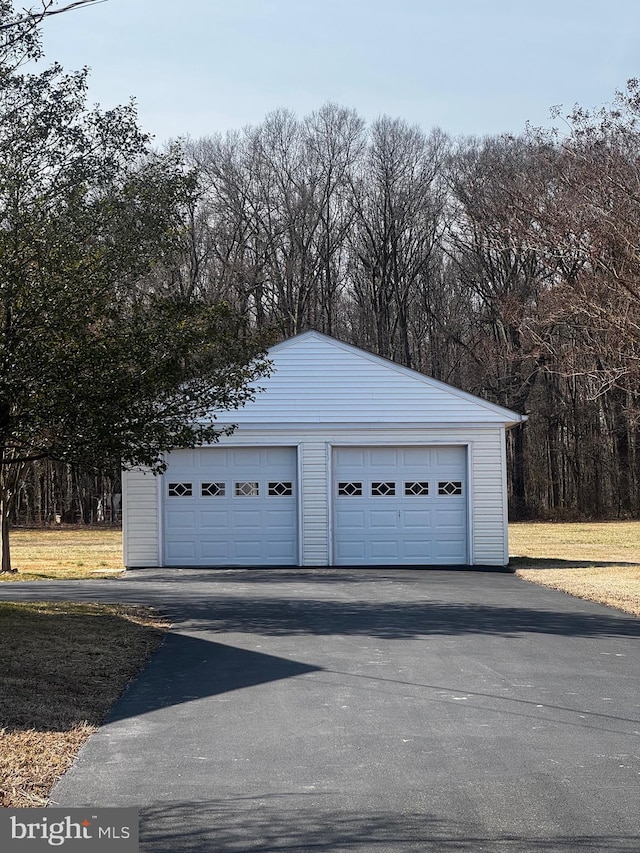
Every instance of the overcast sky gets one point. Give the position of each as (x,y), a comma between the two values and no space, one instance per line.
(471,67)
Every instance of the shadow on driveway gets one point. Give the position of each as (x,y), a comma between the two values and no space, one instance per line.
(267,825)
(190,668)
(397,620)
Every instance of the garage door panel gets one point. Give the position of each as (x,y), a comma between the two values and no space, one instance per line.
(351,520)
(417,519)
(218,520)
(350,550)
(249,549)
(281,457)
(183,458)
(208,461)
(281,549)
(420,550)
(409,506)
(243,520)
(214,550)
(453,550)
(419,458)
(280,519)
(181,520)
(383,457)
(384,518)
(351,456)
(245,459)
(448,458)
(384,549)
(450,518)
(181,549)
(231,506)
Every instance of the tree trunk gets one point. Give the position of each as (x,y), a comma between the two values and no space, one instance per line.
(6,551)
(519,493)
(10,473)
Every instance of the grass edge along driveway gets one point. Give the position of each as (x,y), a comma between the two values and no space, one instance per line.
(62,667)
(597,561)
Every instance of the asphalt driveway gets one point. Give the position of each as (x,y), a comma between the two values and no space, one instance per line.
(292,711)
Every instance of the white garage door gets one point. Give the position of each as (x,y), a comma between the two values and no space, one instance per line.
(231,507)
(400,506)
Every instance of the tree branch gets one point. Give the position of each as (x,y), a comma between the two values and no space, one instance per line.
(32,16)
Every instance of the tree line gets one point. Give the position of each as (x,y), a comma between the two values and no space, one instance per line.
(508,266)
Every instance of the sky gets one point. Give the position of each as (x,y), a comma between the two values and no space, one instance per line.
(470,67)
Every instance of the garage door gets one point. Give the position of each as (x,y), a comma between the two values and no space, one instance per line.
(231,507)
(399,506)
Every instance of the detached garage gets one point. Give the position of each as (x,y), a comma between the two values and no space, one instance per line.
(344,459)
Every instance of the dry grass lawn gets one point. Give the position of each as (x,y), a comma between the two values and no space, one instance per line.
(65,552)
(62,667)
(599,561)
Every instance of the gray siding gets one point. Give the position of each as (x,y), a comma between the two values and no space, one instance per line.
(489,528)
(314,509)
(140,519)
(318,380)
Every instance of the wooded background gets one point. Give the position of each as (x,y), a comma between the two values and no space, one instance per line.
(506,266)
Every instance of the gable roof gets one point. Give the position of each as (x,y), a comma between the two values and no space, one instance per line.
(318,379)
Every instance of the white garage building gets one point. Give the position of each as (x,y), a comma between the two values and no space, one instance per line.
(344,459)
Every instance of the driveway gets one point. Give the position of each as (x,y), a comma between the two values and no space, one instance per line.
(375,711)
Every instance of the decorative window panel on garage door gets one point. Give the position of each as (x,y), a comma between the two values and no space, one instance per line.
(399,505)
(234,506)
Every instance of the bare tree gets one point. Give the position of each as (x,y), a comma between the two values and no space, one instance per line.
(398,201)
(335,141)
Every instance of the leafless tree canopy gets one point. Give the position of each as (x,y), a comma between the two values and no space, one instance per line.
(509,266)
